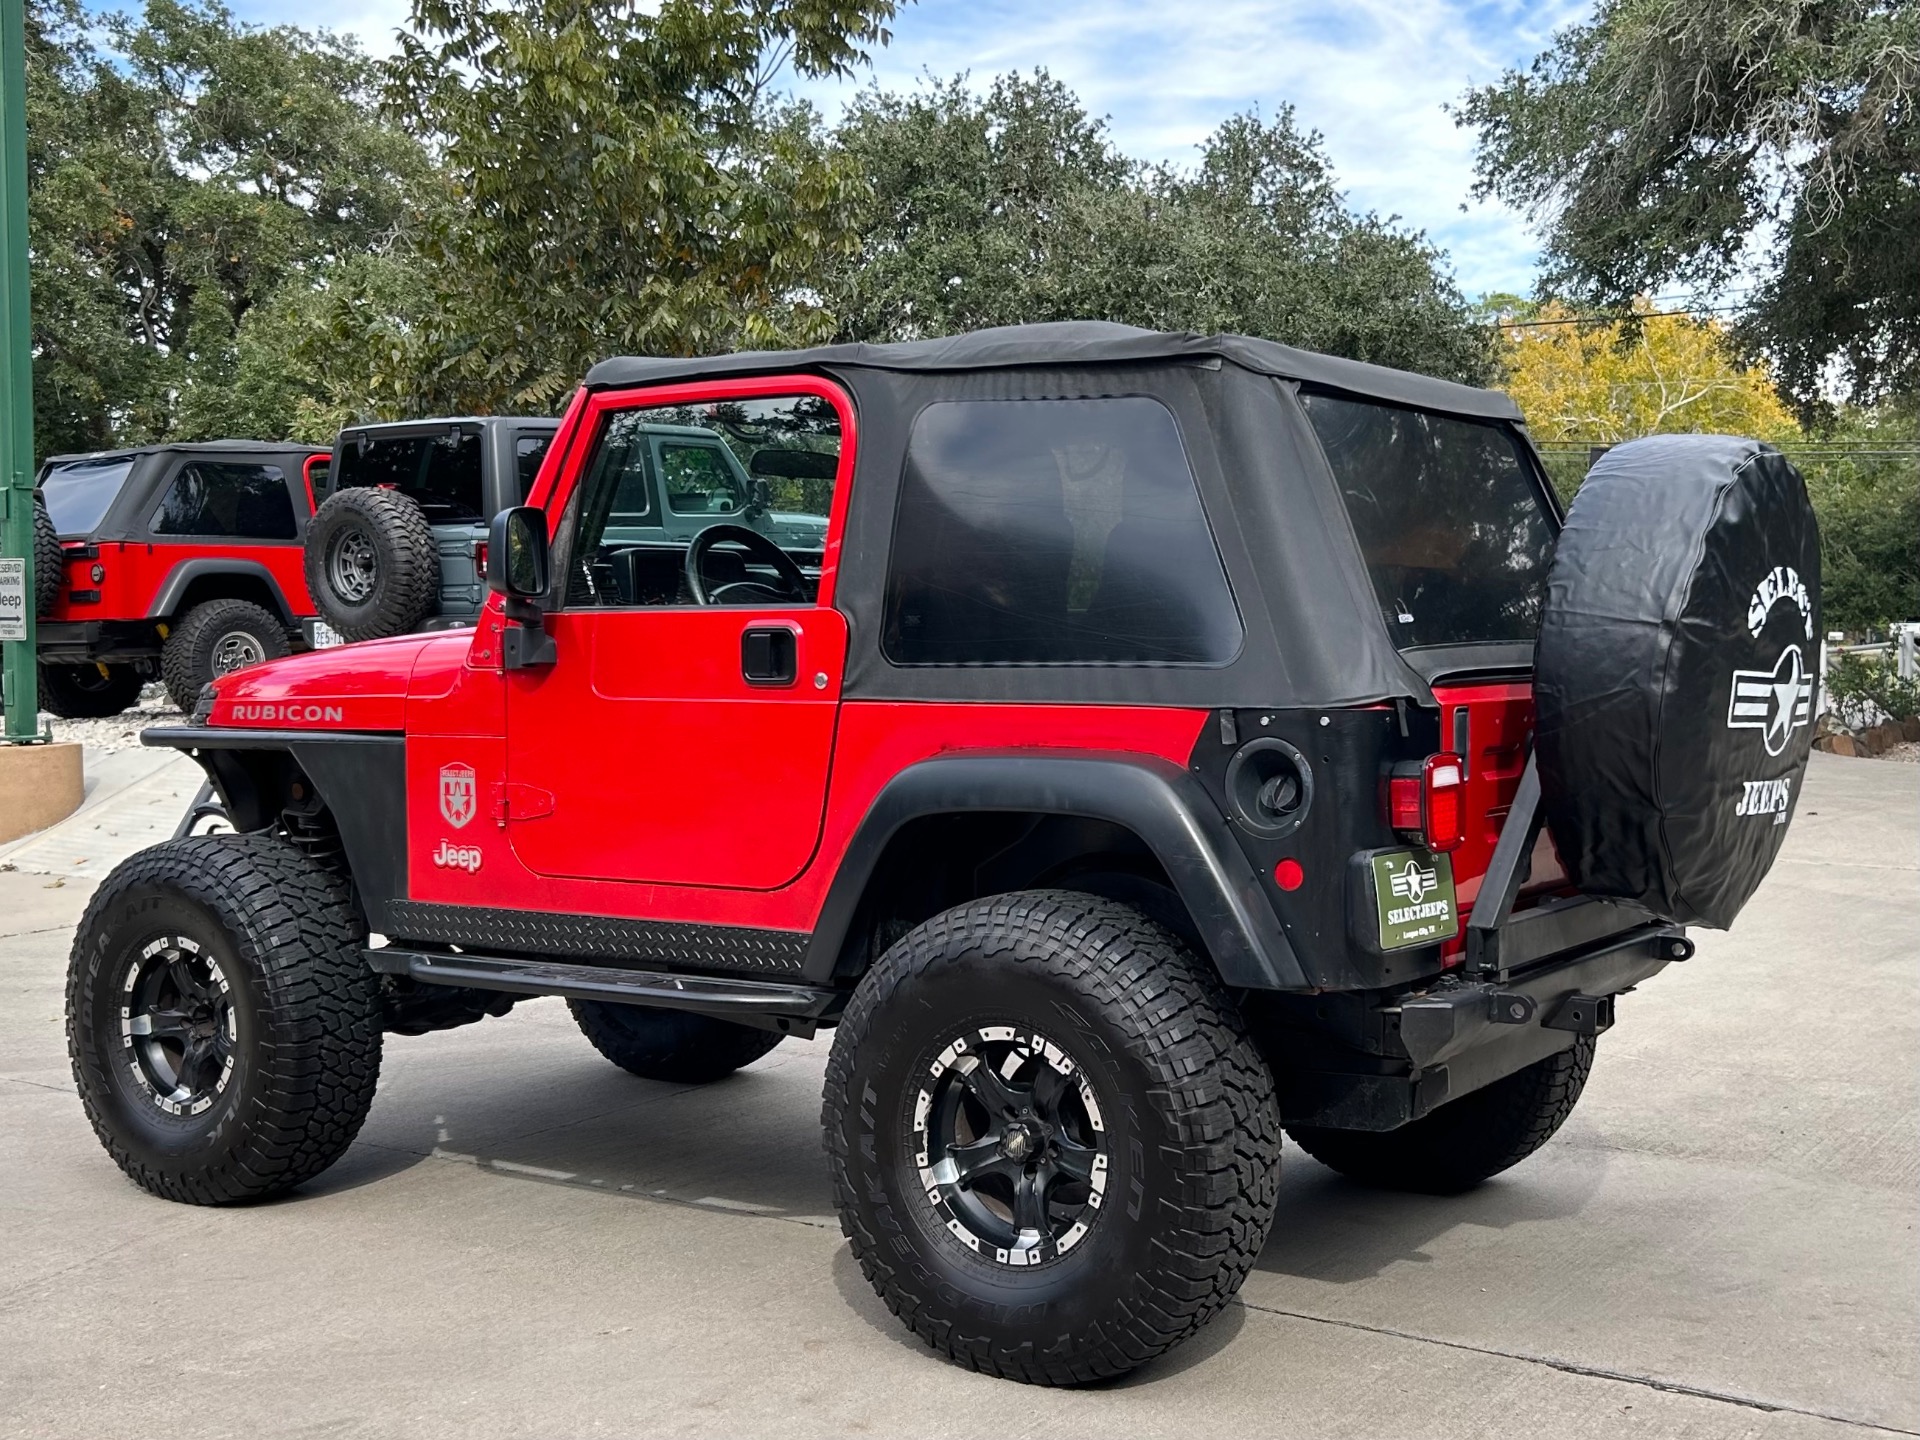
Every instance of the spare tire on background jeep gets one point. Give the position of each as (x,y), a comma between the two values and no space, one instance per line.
(49,560)
(372,563)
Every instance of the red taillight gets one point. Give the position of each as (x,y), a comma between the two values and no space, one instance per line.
(480,558)
(1430,805)
(1443,779)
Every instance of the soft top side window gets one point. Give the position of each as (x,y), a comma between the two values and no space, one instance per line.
(1054,532)
(220,498)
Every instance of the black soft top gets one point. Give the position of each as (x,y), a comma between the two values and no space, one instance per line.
(1077,343)
(134,452)
(1313,630)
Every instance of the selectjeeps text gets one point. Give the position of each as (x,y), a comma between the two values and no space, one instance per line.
(1136,745)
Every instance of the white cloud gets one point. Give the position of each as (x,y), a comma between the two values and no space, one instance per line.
(1372,75)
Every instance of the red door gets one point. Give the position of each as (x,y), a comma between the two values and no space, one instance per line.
(655,749)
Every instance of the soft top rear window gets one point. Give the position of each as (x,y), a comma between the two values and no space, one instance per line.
(440,471)
(79,492)
(1450,515)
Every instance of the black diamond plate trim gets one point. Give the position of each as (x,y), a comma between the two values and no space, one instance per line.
(602,937)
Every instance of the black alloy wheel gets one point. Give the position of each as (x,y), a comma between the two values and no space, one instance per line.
(1011,1144)
(1054,1146)
(223,1025)
(177,1024)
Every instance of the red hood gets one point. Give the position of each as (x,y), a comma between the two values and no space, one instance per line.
(352,687)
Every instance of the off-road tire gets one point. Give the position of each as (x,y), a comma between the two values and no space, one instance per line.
(1466,1140)
(187,659)
(1192,1135)
(82,692)
(306,1008)
(405,585)
(671,1045)
(49,561)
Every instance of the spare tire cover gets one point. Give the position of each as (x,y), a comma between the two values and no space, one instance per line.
(1676,673)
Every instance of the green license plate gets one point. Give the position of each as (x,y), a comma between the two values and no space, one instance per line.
(1413,891)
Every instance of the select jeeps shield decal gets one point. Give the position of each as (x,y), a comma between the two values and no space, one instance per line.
(457,792)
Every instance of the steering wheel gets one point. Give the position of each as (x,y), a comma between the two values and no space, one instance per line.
(792,583)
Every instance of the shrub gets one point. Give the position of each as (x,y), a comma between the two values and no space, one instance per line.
(1866,689)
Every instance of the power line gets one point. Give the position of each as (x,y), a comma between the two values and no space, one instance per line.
(1602,316)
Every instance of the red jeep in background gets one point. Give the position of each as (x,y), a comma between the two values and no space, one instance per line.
(1167,741)
(174,562)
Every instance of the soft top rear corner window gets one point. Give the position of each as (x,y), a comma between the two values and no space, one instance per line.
(79,493)
(1450,516)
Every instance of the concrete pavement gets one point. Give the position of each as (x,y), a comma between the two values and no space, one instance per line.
(525,1240)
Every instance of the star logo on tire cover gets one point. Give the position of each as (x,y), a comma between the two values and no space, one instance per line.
(1775,702)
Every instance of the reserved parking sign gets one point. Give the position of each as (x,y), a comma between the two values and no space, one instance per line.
(13,599)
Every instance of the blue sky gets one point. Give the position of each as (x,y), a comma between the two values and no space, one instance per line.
(1372,76)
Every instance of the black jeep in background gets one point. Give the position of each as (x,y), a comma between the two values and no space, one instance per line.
(400,539)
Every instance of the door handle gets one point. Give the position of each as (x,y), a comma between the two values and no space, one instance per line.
(769,656)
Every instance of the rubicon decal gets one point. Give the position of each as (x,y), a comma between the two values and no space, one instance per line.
(457,791)
(457,857)
(1775,702)
(1766,797)
(289,710)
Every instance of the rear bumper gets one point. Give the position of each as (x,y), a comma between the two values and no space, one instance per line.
(1463,1033)
(113,642)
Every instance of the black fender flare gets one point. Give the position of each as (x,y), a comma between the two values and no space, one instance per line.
(1154,798)
(187,571)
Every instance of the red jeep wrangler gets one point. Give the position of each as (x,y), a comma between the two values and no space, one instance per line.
(1174,740)
(175,562)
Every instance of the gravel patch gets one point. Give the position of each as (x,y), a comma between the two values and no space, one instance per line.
(122,731)
(1907,751)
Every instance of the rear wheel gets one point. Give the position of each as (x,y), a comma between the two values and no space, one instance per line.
(672,1045)
(1466,1140)
(1054,1149)
(216,639)
(223,1027)
(89,691)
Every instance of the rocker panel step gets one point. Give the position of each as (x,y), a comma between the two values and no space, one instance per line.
(792,1008)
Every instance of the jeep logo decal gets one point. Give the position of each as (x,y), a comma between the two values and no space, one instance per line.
(457,857)
(456,795)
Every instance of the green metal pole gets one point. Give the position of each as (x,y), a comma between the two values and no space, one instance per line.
(22,685)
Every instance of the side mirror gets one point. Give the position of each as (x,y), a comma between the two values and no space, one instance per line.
(517,570)
(517,553)
(760,498)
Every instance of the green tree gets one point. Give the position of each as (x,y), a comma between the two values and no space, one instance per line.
(184,171)
(618,181)
(1015,206)
(1693,142)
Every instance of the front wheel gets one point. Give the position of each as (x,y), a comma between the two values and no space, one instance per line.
(1054,1148)
(223,1027)
(1466,1140)
(88,691)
